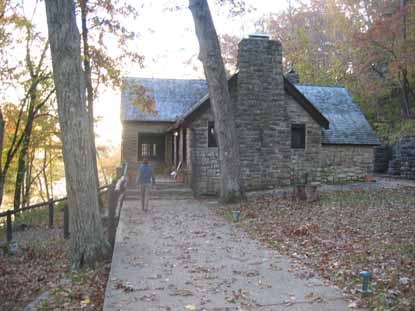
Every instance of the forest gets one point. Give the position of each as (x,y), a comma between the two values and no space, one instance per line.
(366,45)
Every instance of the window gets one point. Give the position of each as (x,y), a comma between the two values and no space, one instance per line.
(298,136)
(151,146)
(212,135)
(145,150)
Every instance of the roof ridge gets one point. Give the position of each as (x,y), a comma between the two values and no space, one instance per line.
(163,79)
(321,85)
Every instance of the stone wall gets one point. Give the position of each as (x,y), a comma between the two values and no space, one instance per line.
(261,116)
(403,158)
(129,144)
(303,161)
(205,170)
(341,163)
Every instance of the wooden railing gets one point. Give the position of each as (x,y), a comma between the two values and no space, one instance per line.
(116,194)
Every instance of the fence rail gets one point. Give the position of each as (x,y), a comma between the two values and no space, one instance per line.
(116,192)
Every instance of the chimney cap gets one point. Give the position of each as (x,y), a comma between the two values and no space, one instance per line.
(258,35)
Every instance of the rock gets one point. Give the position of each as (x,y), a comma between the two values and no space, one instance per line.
(404,280)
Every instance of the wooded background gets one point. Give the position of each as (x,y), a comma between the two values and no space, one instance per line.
(366,45)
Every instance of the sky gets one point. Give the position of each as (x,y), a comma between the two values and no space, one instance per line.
(167,40)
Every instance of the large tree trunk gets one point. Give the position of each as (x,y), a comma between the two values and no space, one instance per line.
(87,236)
(88,84)
(220,99)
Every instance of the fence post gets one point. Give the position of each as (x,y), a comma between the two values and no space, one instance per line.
(9,226)
(112,205)
(66,221)
(51,213)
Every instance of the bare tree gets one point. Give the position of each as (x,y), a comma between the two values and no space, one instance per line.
(210,55)
(88,243)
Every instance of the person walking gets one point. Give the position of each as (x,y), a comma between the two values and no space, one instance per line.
(145,179)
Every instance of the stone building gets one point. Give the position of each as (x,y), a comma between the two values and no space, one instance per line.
(286,130)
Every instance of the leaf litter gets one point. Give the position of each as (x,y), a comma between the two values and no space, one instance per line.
(342,234)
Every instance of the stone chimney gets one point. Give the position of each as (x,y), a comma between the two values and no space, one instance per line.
(260,114)
(293,76)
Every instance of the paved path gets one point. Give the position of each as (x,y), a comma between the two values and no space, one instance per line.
(182,256)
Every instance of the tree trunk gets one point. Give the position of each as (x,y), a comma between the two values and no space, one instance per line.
(87,236)
(29,180)
(88,84)
(44,173)
(2,125)
(21,162)
(220,99)
(404,71)
(405,93)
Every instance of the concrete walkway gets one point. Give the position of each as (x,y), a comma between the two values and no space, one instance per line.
(182,256)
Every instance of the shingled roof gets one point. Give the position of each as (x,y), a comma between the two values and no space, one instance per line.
(178,99)
(173,97)
(348,125)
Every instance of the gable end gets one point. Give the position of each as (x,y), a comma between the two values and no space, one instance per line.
(305,103)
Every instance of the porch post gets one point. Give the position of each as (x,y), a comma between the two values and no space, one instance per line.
(181,141)
(168,149)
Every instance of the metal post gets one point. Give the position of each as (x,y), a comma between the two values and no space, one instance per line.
(51,213)
(9,226)
(66,221)
(366,275)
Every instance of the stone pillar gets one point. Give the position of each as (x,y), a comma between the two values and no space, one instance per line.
(181,141)
(261,115)
(168,149)
(189,148)
(175,146)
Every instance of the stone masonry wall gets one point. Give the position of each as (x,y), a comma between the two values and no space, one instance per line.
(303,161)
(205,170)
(345,163)
(261,116)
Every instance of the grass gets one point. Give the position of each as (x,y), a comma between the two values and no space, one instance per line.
(343,234)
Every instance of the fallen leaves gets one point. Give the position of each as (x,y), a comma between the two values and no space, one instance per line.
(41,269)
(343,234)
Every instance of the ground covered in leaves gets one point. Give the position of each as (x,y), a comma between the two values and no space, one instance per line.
(40,270)
(343,234)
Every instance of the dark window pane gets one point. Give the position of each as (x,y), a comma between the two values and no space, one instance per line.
(211,134)
(298,136)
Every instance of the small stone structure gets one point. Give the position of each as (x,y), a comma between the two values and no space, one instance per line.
(403,158)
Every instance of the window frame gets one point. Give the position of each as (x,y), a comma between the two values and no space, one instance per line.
(295,130)
(212,138)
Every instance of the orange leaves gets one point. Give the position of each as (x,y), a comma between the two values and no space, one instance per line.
(142,98)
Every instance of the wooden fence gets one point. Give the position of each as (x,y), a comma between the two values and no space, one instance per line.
(116,194)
